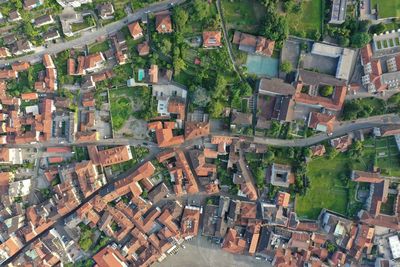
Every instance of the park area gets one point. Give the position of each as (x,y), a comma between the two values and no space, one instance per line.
(327,187)
(130,108)
(386,8)
(244,15)
(308,21)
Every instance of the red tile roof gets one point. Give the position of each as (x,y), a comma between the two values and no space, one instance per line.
(212,39)
(135,30)
(163,23)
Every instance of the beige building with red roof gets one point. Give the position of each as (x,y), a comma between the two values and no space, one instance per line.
(110,257)
(253,44)
(190,222)
(114,155)
(20,66)
(321,122)
(10,247)
(212,39)
(135,30)
(163,23)
(4,52)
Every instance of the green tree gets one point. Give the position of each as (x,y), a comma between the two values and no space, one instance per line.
(331,152)
(260,177)
(286,66)
(216,108)
(378,28)
(276,26)
(360,39)
(269,157)
(344,41)
(181,17)
(165,46)
(200,97)
(200,9)
(179,65)
(326,90)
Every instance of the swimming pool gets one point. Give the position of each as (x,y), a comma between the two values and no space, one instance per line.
(262,66)
(140,75)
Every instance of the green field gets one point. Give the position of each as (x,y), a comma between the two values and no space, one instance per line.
(326,189)
(244,15)
(99,47)
(308,21)
(387,8)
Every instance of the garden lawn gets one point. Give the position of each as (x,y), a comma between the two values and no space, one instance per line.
(326,190)
(99,47)
(131,101)
(244,15)
(387,8)
(309,20)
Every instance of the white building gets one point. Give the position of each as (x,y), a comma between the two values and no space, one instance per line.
(19,188)
(394,244)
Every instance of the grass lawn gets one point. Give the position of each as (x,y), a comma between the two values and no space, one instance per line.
(99,47)
(326,189)
(131,101)
(387,208)
(244,15)
(387,8)
(309,20)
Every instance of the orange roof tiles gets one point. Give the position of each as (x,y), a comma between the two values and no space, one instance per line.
(366,177)
(135,30)
(165,138)
(29,96)
(109,257)
(153,73)
(48,61)
(70,66)
(8,74)
(155,125)
(334,103)
(11,246)
(212,39)
(232,243)
(20,66)
(190,221)
(163,23)
(4,52)
(143,49)
(196,129)
(114,155)
(318,150)
(86,136)
(317,120)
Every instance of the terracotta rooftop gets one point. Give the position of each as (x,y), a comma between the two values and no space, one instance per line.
(190,221)
(109,257)
(196,129)
(114,155)
(163,23)
(321,122)
(212,39)
(135,30)
(20,66)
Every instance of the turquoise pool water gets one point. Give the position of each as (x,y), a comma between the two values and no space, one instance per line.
(140,75)
(262,66)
